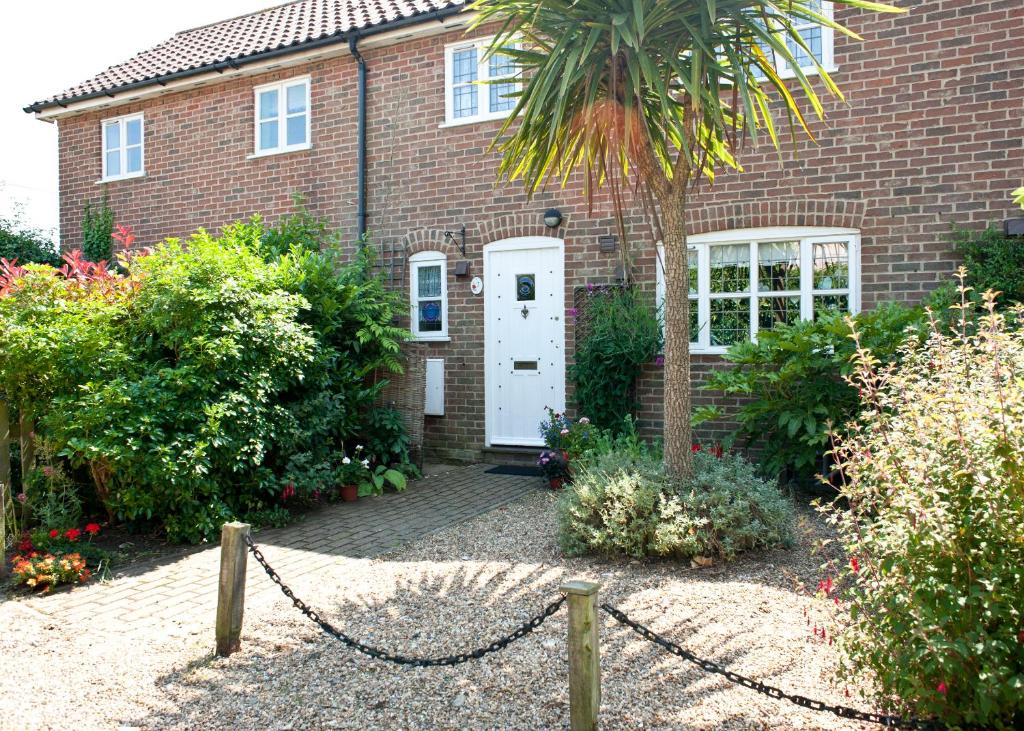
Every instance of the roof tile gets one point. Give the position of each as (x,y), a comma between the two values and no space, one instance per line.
(292,24)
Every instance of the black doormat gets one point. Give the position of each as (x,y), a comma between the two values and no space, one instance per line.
(514,470)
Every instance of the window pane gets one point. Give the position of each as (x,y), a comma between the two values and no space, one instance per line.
(500,101)
(296,98)
(464,66)
(694,324)
(133,132)
(501,65)
(430,316)
(429,281)
(112,133)
(526,289)
(692,258)
(268,104)
(831,303)
(296,130)
(772,311)
(464,98)
(730,268)
(113,163)
(730,321)
(268,135)
(133,160)
(812,37)
(832,265)
(778,266)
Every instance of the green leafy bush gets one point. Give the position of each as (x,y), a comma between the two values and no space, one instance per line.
(932,516)
(793,388)
(622,332)
(624,502)
(97,231)
(993,261)
(25,245)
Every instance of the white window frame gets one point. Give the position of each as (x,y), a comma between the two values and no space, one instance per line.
(282,116)
(808,236)
(123,148)
(418,261)
(828,59)
(483,98)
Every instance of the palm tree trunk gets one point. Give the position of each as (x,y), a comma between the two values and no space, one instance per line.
(677,433)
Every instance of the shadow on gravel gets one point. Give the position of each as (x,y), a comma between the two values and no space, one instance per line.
(289,675)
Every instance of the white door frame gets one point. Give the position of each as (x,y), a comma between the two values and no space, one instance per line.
(516,243)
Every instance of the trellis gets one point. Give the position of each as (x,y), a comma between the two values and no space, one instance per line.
(23,433)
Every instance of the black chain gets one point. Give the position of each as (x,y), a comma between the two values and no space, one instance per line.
(768,690)
(379,654)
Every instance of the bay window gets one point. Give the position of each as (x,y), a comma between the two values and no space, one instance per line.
(745,281)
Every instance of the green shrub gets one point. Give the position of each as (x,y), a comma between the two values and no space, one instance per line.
(934,527)
(993,261)
(385,437)
(792,384)
(622,332)
(625,503)
(24,245)
(97,231)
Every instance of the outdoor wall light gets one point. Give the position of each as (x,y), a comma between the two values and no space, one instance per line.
(552,218)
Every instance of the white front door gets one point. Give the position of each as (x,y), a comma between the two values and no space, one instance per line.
(524,291)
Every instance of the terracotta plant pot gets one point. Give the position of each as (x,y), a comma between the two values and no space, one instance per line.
(349,493)
(556,483)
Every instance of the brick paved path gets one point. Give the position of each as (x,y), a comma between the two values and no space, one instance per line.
(180,593)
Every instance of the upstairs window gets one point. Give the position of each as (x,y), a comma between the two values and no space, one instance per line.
(123,147)
(468,101)
(745,281)
(819,40)
(282,116)
(429,295)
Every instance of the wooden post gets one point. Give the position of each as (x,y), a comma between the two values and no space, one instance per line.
(584,655)
(231,590)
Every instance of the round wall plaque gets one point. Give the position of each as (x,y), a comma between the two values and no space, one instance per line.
(476,286)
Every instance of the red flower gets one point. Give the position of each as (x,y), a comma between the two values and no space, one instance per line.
(92,528)
(73,534)
(54,533)
(288,492)
(695,448)
(26,545)
(825,586)
(942,687)
(854,564)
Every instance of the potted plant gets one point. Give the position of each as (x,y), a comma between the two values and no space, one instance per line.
(350,474)
(554,466)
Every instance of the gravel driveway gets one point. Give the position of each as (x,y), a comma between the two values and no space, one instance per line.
(458,588)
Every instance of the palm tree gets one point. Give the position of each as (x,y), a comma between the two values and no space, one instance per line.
(659,92)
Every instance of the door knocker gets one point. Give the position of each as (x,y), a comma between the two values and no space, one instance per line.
(525,312)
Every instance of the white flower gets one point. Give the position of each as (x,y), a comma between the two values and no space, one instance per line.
(346,461)
(366,463)
(359,447)
(584,420)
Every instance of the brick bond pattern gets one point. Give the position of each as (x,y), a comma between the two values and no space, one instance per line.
(182,591)
(930,136)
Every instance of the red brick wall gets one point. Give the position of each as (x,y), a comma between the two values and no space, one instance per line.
(930,136)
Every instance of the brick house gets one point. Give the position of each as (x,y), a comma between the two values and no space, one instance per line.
(367,108)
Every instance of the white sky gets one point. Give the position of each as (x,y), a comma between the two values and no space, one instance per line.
(49,45)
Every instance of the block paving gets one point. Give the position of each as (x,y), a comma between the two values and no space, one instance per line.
(179,593)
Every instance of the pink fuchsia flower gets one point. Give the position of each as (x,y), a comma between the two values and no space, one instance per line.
(825,585)
(22,498)
(941,687)
(854,564)
(660,361)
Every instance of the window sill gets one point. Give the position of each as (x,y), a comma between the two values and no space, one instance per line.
(420,339)
(119,178)
(472,120)
(285,151)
